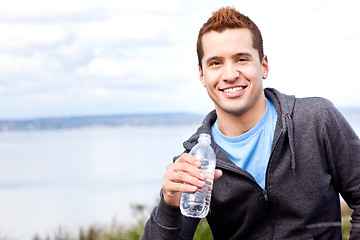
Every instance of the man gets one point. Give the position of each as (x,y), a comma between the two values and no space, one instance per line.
(281,161)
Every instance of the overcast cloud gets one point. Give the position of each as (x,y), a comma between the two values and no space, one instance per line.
(64,58)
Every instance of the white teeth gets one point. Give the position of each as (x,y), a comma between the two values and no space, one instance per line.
(230,90)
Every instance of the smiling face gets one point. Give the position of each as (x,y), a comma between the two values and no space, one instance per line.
(233,73)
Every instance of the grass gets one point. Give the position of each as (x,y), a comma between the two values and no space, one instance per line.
(116,231)
(346,225)
(96,233)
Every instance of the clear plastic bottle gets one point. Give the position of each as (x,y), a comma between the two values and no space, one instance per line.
(197,204)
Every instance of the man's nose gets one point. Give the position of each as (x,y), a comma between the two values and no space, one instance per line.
(230,73)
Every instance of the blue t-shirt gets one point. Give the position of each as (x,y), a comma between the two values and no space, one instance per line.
(251,150)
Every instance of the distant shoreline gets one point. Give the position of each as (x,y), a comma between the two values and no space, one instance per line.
(146,119)
(155,119)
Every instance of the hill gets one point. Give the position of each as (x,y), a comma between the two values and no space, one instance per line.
(106,121)
(155,119)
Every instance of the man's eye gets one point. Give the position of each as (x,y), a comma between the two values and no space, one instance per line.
(214,63)
(242,59)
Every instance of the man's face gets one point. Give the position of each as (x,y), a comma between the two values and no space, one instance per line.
(232,71)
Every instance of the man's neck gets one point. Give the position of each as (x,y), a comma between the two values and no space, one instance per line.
(235,125)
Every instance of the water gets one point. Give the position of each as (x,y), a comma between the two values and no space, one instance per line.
(197,204)
(80,177)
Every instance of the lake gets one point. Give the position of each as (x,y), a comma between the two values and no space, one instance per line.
(80,177)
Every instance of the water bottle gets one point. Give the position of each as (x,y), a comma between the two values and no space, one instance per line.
(197,204)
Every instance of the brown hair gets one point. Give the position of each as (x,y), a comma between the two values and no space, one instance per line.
(229,18)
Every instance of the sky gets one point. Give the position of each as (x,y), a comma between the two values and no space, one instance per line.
(89,57)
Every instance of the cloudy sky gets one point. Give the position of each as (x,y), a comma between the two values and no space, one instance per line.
(77,57)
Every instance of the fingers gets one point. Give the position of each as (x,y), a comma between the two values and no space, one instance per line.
(183,175)
(187,158)
(185,170)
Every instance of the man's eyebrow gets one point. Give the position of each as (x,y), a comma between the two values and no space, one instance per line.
(242,54)
(212,58)
(239,54)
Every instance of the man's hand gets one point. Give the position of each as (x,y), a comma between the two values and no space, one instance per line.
(184,170)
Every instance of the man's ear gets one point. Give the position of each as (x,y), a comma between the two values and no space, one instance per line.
(265,65)
(201,76)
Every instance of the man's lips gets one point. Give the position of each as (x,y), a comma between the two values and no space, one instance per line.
(233,89)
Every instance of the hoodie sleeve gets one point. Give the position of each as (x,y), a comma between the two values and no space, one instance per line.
(343,154)
(167,223)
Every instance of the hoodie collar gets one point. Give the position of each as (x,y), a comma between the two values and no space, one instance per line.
(284,105)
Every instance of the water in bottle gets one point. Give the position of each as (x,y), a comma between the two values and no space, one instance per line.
(197,204)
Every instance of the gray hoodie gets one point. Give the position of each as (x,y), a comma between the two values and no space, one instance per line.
(315,157)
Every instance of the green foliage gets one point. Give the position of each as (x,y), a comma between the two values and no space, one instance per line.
(99,233)
(346,212)
(117,232)
(346,232)
(203,231)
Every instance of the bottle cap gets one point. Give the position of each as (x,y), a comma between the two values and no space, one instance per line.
(204,137)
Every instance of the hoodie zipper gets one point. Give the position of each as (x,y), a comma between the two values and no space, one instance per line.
(265,192)
(265,195)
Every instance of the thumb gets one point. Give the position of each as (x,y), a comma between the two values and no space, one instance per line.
(218,174)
